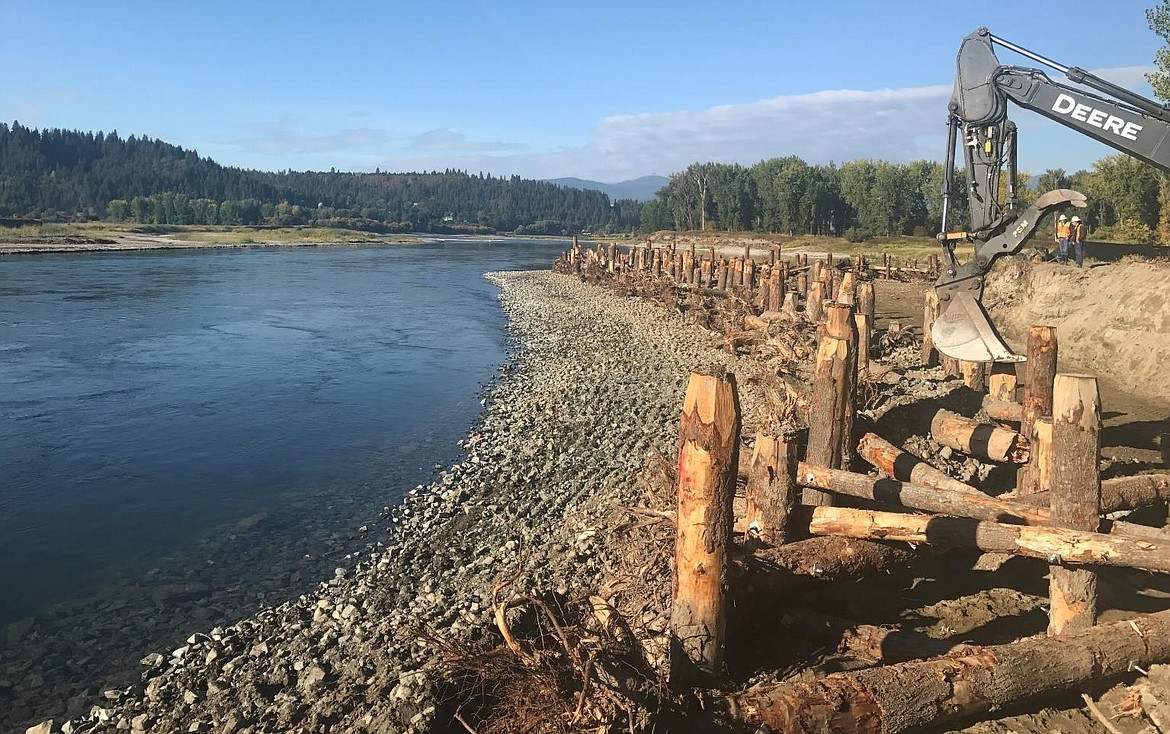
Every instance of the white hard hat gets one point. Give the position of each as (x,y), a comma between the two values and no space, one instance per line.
(1062,217)
(1076,219)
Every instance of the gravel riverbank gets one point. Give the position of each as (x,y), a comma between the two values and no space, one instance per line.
(593,388)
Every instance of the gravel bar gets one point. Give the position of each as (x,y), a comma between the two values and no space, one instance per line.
(593,387)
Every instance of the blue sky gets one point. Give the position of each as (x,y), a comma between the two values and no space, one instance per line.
(601,90)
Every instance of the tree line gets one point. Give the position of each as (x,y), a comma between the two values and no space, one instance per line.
(67,175)
(1129,201)
(62,175)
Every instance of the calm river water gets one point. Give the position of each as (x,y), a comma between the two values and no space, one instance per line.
(157,406)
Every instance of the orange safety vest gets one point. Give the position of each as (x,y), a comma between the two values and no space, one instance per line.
(1062,230)
(1077,233)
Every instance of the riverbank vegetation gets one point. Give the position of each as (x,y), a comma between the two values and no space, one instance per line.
(59,176)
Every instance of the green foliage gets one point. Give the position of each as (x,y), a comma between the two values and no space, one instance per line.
(858,234)
(1127,232)
(1159,19)
(60,175)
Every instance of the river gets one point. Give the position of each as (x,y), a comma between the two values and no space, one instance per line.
(186,435)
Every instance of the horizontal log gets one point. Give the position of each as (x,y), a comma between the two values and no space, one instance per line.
(1003,410)
(1056,545)
(978,439)
(959,504)
(974,505)
(867,641)
(826,559)
(1119,493)
(916,695)
(907,467)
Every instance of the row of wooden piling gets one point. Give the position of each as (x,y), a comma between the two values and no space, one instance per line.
(1054,513)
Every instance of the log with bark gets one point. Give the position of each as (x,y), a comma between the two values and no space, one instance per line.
(1003,410)
(708,455)
(970,681)
(915,496)
(1120,493)
(978,439)
(1056,545)
(867,641)
(906,467)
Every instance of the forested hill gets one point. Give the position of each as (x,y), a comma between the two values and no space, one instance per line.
(64,175)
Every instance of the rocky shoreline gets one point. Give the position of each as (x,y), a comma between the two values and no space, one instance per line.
(592,390)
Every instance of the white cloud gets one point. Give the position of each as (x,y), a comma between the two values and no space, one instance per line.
(282,138)
(443,139)
(840,125)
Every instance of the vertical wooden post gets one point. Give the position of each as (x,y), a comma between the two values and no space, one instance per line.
(802,285)
(815,269)
(771,488)
(1039,374)
(1042,447)
(847,289)
(708,462)
(736,278)
(866,303)
(929,314)
(864,341)
(814,307)
(723,268)
(973,376)
(1076,495)
(1001,385)
(790,303)
(749,273)
(775,288)
(829,408)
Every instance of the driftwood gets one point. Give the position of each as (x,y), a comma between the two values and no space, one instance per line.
(973,680)
(1057,545)
(978,439)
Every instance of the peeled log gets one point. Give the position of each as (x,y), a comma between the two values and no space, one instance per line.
(1119,493)
(906,467)
(971,504)
(974,680)
(1003,410)
(978,439)
(1056,545)
(918,497)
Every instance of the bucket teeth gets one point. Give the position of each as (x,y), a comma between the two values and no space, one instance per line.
(964,331)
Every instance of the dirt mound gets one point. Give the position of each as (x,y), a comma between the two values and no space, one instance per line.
(1112,320)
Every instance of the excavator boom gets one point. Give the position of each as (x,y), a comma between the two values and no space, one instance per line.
(978,118)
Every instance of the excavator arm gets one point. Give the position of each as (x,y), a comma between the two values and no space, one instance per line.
(978,116)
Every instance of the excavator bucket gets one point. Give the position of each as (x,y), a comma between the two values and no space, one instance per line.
(964,331)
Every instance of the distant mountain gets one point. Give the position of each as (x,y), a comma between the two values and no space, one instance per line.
(640,189)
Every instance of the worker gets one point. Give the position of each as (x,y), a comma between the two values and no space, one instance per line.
(1076,236)
(1063,228)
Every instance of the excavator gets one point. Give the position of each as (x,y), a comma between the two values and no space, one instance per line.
(978,118)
